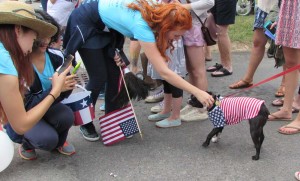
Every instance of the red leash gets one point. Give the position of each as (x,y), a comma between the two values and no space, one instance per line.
(267,80)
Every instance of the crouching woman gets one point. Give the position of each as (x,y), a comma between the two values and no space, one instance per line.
(39,124)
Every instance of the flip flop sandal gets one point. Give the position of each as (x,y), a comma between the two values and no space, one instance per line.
(214,67)
(276,118)
(208,59)
(278,102)
(294,110)
(281,130)
(240,84)
(280,92)
(221,72)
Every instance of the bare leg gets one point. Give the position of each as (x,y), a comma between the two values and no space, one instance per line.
(196,67)
(296,102)
(281,90)
(257,53)
(176,106)
(256,56)
(207,53)
(167,103)
(292,58)
(134,52)
(224,46)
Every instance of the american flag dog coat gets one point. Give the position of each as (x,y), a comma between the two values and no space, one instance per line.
(232,110)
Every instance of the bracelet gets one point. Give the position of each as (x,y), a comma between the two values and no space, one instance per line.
(52,96)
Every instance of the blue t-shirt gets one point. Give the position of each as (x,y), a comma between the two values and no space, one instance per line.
(46,74)
(116,15)
(6,64)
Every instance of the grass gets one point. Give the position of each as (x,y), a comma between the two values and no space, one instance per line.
(241,32)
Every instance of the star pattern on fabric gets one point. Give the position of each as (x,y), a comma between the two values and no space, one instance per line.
(217,117)
(129,127)
(84,103)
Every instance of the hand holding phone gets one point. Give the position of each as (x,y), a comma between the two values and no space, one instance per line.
(268,27)
(270,32)
(66,64)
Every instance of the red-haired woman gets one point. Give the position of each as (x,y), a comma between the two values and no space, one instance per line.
(155,26)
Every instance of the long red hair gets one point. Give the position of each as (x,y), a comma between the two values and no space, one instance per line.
(22,63)
(163,18)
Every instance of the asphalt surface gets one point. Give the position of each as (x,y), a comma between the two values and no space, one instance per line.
(176,153)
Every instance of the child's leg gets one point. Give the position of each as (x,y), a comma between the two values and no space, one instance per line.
(176,106)
(167,103)
(176,102)
(167,98)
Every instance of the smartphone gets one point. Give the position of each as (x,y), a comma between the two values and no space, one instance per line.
(66,64)
(268,25)
(123,56)
(76,67)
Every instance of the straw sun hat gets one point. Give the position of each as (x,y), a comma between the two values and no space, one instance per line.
(19,13)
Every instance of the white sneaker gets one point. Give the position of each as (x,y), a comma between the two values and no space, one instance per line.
(196,114)
(158,107)
(159,96)
(187,109)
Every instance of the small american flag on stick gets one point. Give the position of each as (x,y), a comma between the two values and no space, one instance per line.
(118,125)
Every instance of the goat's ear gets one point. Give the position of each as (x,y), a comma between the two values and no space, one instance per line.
(215,97)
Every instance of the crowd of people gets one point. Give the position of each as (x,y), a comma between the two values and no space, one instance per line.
(170,37)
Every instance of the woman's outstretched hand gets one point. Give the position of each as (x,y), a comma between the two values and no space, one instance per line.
(206,99)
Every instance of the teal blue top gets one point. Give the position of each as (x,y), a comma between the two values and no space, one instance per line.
(46,74)
(116,15)
(6,64)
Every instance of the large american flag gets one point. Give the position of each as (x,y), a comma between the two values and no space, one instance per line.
(118,125)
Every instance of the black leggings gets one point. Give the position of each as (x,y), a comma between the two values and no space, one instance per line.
(170,89)
(101,69)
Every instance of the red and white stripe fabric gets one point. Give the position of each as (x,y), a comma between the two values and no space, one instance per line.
(85,115)
(110,125)
(236,109)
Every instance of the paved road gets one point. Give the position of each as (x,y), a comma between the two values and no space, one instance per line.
(175,153)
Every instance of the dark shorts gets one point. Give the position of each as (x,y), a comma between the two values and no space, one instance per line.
(260,17)
(224,12)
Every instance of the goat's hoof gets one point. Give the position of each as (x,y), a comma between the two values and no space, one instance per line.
(214,139)
(255,157)
(205,144)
